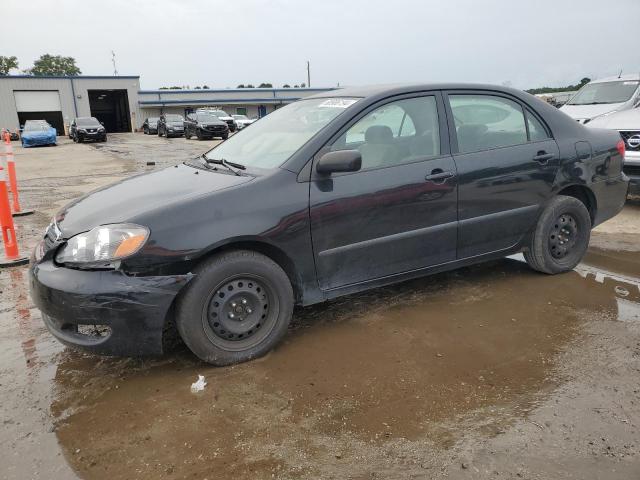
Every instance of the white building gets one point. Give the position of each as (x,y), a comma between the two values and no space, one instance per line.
(119,103)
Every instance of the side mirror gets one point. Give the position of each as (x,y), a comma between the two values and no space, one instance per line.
(340,161)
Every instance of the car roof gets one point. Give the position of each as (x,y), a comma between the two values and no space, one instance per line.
(621,78)
(399,89)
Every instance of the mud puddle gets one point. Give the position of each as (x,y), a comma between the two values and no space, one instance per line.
(359,384)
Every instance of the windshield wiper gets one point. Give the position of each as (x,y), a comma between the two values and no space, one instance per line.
(230,165)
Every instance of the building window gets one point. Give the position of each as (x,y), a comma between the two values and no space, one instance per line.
(241,110)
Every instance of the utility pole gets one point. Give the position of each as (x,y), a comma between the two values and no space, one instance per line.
(113,60)
(308,75)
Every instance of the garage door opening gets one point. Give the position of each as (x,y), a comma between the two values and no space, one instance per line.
(53,118)
(111,107)
(39,105)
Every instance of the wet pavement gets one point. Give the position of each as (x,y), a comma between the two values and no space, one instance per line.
(492,371)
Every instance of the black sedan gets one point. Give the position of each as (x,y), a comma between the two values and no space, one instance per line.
(205,126)
(334,194)
(171,125)
(87,128)
(150,126)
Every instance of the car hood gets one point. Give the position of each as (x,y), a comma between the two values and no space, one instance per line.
(625,120)
(175,124)
(582,112)
(134,196)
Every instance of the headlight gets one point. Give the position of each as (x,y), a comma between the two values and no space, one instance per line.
(101,129)
(103,244)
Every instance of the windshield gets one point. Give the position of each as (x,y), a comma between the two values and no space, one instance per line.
(36,126)
(220,113)
(606,92)
(203,117)
(173,118)
(87,122)
(240,117)
(153,120)
(272,140)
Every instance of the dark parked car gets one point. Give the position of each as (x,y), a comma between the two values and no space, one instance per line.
(13,135)
(225,117)
(150,125)
(205,126)
(87,128)
(334,194)
(171,125)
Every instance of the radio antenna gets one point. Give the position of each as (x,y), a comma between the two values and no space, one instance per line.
(113,60)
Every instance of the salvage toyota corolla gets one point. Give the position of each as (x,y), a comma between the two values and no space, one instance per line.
(334,194)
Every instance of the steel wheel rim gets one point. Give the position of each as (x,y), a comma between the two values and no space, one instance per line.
(563,236)
(240,312)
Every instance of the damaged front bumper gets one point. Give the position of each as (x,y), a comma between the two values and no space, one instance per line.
(106,312)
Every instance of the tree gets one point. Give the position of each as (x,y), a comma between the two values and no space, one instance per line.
(303,85)
(296,86)
(54,65)
(265,85)
(286,85)
(197,88)
(569,88)
(205,87)
(241,86)
(6,64)
(250,86)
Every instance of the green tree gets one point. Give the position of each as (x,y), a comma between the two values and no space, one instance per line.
(205,87)
(6,64)
(54,65)
(250,86)
(197,88)
(265,85)
(286,85)
(241,86)
(303,85)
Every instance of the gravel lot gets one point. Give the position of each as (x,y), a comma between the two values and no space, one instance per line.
(493,371)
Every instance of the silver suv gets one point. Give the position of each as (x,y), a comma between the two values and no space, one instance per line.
(604,97)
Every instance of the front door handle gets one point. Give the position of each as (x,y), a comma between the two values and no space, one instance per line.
(543,157)
(438,175)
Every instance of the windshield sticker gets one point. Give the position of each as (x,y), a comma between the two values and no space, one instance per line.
(337,103)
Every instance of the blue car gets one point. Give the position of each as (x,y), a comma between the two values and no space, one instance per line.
(37,132)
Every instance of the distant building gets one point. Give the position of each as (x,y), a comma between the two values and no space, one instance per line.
(119,103)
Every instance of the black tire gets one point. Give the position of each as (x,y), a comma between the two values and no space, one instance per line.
(187,135)
(198,134)
(159,132)
(561,237)
(224,137)
(145,131)
(240,282)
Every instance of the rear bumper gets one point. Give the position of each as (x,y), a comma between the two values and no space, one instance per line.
(129,313)
(611,195)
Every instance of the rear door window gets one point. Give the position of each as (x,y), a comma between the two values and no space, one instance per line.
(484,122)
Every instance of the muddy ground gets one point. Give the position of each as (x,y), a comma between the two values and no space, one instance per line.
(492,371)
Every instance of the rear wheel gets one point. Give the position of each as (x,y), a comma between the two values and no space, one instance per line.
(145,131)
(187,134)
(198,135)
(237,308)
(561,237)
(225,136)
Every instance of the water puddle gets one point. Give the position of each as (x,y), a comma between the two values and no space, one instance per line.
(353,375)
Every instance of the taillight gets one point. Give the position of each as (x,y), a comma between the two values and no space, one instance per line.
(621,148)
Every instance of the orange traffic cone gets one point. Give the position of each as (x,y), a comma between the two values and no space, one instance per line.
(11,254)
(13,181)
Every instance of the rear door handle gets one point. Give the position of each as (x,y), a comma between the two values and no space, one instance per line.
(543,157)
(438,175)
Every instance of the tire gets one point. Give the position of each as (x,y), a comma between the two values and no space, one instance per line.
(561,237)
(198,135)
(159,132)
(225,285)
(224,137)
(145,131)
(187,135)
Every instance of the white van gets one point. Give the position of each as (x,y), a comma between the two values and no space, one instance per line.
(603,97)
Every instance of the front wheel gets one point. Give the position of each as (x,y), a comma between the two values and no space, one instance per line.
(561,237)
(237,308)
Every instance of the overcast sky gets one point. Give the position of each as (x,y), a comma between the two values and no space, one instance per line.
(222,43)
